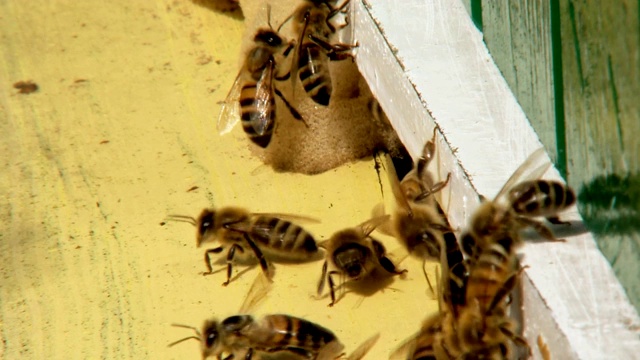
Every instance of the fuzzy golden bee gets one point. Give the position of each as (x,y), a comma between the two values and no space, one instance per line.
(483,324)
(242,336)
(523,197)
(254,89)
(312,21)
(266,236)
(419,222)
(353,253)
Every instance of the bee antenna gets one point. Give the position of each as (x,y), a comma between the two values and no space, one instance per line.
(198,337)
(185,339)
(183,218)
(269,16)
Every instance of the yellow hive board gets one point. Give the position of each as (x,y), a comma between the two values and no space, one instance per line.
(121,128)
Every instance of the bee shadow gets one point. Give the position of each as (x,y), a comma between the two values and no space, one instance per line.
(376,281)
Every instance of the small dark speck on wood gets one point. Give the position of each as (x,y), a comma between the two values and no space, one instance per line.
(26,87)
(193,188)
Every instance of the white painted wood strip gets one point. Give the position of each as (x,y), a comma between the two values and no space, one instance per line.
(426,63)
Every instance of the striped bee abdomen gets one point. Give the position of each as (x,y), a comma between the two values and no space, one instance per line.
(283,237)
(295,332)
(314,73)
(541,197)
(257,114)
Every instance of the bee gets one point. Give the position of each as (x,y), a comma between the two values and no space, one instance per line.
(254,89)
(419,222)
(355,254)
(243,336)
(312,20)
(422,345)
(482,327)
(523,197)
(264,235)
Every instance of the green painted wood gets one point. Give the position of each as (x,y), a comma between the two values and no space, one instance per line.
(518,37)
(598,116)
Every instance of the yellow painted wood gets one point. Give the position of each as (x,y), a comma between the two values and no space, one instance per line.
(121,128)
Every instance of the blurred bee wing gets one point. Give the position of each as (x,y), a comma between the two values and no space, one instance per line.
(532,168)
(257,293)
(298,219)
(368,226)
(364,348)
(230,111)
(387,227)
(401,199)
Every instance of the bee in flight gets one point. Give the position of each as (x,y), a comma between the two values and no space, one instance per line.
(254,88)
(522,198)
(266,236)
(312,20)
(355,254)
(242,336)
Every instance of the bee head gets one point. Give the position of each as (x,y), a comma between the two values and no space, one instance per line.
(210,341)
(268,37)
(206,225)
(351,258)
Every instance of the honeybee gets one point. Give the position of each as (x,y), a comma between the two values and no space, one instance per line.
(521,199)
(243,336)
(312,20)
(264,235)
(419,222)
(421,346)
(254,88)
(354,254)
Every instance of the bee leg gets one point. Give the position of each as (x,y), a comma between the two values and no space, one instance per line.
(540,228)
(335,52)
(207,259)
(230,255)
(436,187)
(426,276)
(249,354)
(322,278)
(427,154)
(293,350)
(332,286)
(292,110)
(517,339)
(384,261)
(505,289)
(556,221)
(259,255)
(334,12)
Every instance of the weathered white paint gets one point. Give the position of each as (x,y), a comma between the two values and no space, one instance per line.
(426,63)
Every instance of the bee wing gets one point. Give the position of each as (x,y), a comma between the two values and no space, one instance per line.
(401,199)
(264,100)
(368,226)
(364,348)
(298,219)
(532,168)
(258,292)
(230,111)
